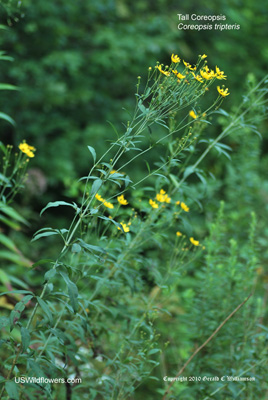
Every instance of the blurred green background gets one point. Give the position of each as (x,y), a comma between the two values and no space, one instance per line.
(76,65)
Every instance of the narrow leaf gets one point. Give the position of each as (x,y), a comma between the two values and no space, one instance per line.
(57,204)
(72,291)
(7,118)
(46,309)
(25,338)
(93,152)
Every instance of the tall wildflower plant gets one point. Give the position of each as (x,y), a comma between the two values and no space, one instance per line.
(94,320)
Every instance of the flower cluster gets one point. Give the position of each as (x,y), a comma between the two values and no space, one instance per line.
(199,73)
(193,241)
(105,203)
(161,197)
(27,149)
(124,226)
(183,206)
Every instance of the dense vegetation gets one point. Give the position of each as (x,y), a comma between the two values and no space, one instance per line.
(138,255)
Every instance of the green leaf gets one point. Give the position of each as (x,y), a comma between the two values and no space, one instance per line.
(15,258)
(7,118)
(7,86)
(17,291)
(111,220)
(76,248)
(57,204)
(10,212)
(91,247)
(11,224)
(72,291)
(36,370)
(153,351)
(188,171)
(12,390)
(50,274)
(45,234)
(96,185)
(174,180)
(4,278)
(46,309)
(7,242)
(44,261)
(16,314)
(3,178)
(93,152)
(143,109)
(25,338)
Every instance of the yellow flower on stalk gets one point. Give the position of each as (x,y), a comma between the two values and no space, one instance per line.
(107,204)
(26,149)
(220,74)
(180,76)
(98,197)
(162,197)
(124,226)
(203,56)
(187,65)
(193,114)
(194,242)
(153,203)
(175,58)
(197,77)
(178,202)
(223,92)
(162,71)
(122,200)
(206,74)
(178,233)
(184,207)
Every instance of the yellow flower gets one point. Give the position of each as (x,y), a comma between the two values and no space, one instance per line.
(113,171)
(194,242)
(162,197)
(107,204)
(153,203)
(193,114)
(203,56)
(175,58)
(178,233)
(220,74)
(187,65)
(223,92)
(207,74)
(98,197)
(197,77)
(184,207)
(124,226)
(28,150)
(177,202)
(180,76)
(163,72)
(122,200)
